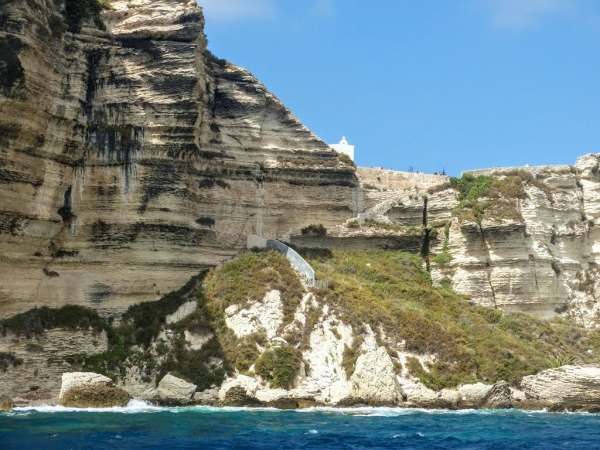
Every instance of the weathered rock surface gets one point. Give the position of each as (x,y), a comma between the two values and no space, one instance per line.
(240,391)
(567,388)
(175,391)
(131,159)
(90,390)
(6,404)
(265,316)
(40,361)
(468,396)
(375,381)
(545,263)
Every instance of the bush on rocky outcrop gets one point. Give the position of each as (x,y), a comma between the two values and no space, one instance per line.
(314,229)
(279,366)
(495,197)
(346,160)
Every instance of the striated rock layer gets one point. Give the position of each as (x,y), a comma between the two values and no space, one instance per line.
(566,388)
(131,159)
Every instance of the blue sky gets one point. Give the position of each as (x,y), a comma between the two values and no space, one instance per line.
(427,84)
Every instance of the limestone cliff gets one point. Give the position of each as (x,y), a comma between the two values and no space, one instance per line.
(131,158)
(527,242)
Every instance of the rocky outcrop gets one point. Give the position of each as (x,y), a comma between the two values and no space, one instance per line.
(6,404)
(175,391)
(374,379)
(40,361)
(240,391)
(132,158)
(468,396)
(542,259)
(265,316)
(90,390)
(567,388)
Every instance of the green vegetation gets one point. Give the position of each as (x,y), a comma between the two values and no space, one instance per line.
(351,354)
(36,321)
(444,257)
(78,11)
(315,229)
(7,360)
(249,277)
(388,290)
(346,160)
(280,366)
(143,322)
(57,25)
(406,229)
(391,290)
(485,197)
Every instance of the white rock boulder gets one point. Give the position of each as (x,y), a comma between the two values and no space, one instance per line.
(572,388)
(90,390)
(174,390)
(374,379)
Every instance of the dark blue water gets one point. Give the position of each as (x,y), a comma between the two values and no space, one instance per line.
(146,428)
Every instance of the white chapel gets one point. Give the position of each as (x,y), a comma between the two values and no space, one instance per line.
(344,147)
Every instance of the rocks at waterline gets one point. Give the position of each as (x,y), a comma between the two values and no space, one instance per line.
(90,390)
(566,388)
(175,391)
(6,403)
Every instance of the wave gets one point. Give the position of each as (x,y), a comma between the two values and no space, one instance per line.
(139,406)
(133,407)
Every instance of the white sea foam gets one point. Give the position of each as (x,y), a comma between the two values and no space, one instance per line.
(139,406)
(133,407)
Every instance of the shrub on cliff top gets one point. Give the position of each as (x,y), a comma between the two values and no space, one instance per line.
(314,229)
(346,160)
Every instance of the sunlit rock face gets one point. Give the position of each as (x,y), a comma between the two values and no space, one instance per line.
(546,262)
(131,159)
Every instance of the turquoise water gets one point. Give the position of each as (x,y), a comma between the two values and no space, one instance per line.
(142,427)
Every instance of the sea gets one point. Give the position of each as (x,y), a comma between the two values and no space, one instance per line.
(142,426)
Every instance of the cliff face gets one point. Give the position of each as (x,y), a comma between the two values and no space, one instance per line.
(131,158)
(542,260)
(528,241)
